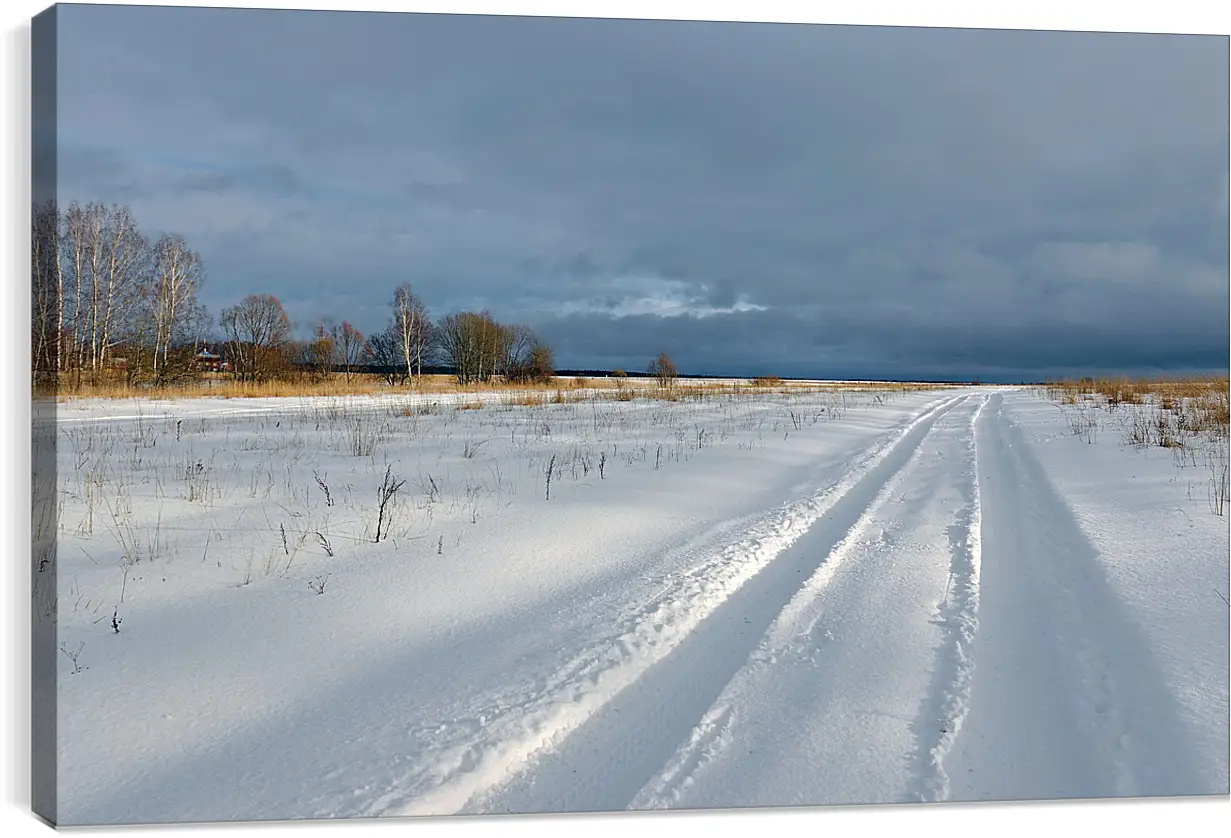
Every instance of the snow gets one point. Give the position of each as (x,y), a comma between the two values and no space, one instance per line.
(757,600)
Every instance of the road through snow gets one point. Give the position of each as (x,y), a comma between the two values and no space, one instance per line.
(604,764)
(805,685)
(899,606)
(654,680)
(872,661)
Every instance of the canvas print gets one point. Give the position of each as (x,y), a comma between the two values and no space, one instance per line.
(457,414)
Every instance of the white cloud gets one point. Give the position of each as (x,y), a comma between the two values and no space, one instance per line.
(656,297)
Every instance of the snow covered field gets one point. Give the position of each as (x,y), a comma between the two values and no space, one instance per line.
(751,601)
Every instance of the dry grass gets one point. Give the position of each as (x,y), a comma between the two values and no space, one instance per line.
(1194,405)
(220,387)
(701,390)
(1191,417)
(556,391)
(1188,416)
(448,384)
(525,400)
(562,397)
(412,411)
(1135,391)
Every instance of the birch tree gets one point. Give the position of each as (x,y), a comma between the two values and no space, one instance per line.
(46,294)
(123,268)
(78,259)
(178,275)
(98,285)
(413,328)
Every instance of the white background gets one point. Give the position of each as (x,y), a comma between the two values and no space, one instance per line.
(1168,818)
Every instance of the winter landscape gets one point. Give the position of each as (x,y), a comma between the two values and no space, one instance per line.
(445,415)
(304,608)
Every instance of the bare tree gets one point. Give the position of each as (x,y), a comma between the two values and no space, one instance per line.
(78,256)
(125,268)
(319,351)
(386,355)
(663,368)
(178,275)
(257,331)
(46,295)
(479,349)
(109,257)
(492,344)
(473,344)
(527,358)
(92,256)
(541,363)
(352,347)
(455,341)
(517,345)
(413,328)
(99,285)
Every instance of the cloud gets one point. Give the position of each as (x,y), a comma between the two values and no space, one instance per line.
(631,296)
(1099,261)
(844,197)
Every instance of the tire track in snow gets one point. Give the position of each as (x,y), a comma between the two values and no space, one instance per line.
(449,774)
(1067,701)
(940,719)
(792,629)
(543,756)
(1122,690)
(708,739)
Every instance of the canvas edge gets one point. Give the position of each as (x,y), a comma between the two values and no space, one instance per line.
(44,526)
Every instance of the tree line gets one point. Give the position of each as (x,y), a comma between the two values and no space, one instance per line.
(100,286)
(109,302)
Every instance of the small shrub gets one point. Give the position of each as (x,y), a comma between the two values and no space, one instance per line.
(387,490)
(664,369)
(74,655)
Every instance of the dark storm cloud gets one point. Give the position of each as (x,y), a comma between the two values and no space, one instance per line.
(819,200)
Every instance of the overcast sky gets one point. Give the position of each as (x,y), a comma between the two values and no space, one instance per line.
(751,198)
